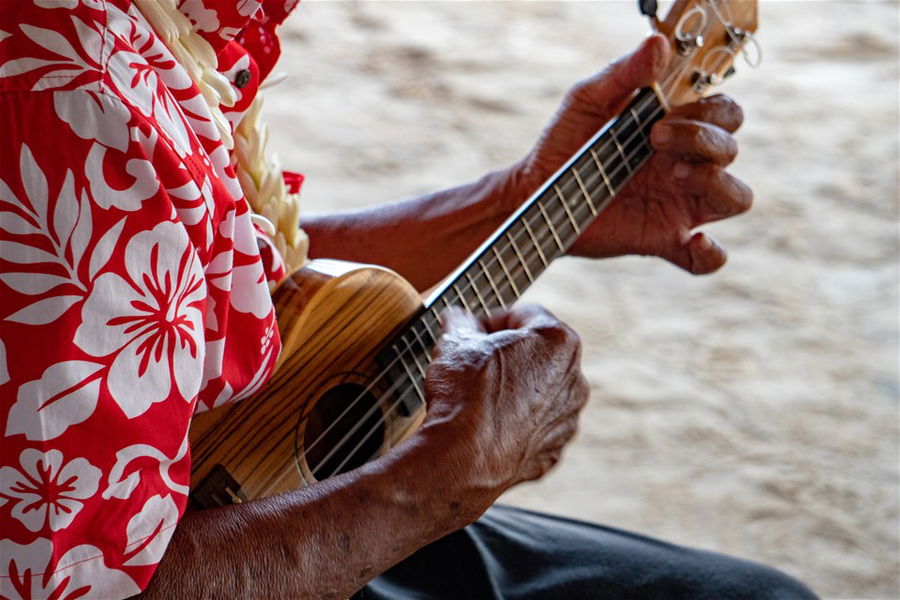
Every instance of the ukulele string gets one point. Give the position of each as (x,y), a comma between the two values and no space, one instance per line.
(383,400)
(593,182)
(409,351)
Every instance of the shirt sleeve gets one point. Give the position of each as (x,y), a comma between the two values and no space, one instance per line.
(131,294)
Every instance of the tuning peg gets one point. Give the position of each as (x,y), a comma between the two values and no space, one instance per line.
(648,8)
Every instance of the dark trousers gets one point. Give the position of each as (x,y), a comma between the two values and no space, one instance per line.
(516,554)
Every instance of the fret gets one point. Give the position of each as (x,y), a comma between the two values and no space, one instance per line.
(409,372)
(562,200)
(512,282)
(587,196)
(597,168)
(437,320)
(550,225)
(534,240)
(477,293)
(462,299)
(624,156)
(522,260)
(640,124)
(603,174)
(415,354)
(424,333)
(487,275)
(637,119)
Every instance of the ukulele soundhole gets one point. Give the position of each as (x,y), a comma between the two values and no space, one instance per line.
(344,430)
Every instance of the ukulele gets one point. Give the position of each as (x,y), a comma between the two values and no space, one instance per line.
(349,384)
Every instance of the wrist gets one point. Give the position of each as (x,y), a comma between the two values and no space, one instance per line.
(436,475)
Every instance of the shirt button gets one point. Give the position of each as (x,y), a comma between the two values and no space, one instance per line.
(242,78)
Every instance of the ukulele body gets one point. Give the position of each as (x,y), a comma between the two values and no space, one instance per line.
(334,317)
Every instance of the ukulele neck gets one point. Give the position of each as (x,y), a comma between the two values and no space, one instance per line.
(542,229)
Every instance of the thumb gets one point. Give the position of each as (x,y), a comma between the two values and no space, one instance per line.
(608,91)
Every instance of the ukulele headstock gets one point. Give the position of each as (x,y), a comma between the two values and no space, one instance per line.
(706,38)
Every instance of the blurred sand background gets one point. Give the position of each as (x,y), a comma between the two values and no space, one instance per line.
(754,412)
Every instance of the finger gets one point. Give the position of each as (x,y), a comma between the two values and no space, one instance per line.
(604,93)
(700,255)
(719,110)
(455,320)
(694,141)
(520,316)
(718,194)
(455,324)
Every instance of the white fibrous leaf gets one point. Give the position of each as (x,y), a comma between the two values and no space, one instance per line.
(104,248)
(83,229)
(51,40)
(22,65)
(65,395)
(32,284)
(25,254)
(66,211)
(4,370)
(10,222)
(35,183)
(94,116)
(149,531)
(44,311)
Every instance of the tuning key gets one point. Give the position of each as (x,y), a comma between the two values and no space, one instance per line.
(648,8)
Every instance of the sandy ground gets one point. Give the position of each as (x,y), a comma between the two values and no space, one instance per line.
(754,412)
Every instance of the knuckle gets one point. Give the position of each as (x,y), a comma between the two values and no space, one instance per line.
(558,335)
(723,109)
(735,112)
(731,147)
(709,173)
(583,391)
(460,358)
(745,197)
(740,194)
(582,92)
(571,431)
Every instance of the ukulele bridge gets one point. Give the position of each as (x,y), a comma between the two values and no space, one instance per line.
(218,489)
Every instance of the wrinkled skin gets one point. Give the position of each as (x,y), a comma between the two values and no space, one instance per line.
(682,187)
(503,392)
(511,386)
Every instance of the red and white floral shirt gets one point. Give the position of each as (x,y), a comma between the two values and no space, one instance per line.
(132,292)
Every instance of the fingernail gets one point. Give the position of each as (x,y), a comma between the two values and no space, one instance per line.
(661,134)
(705,243)
(681,170)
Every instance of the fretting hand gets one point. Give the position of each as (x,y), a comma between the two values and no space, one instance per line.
(504,395)
(683,186)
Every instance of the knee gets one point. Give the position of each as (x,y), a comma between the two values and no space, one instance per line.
(752,581)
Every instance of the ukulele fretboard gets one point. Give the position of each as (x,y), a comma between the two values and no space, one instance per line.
(542,229)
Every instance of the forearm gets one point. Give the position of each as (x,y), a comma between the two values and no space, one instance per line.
(322,541)
(444,227)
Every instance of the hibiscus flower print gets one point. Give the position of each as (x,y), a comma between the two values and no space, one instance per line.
(47,490)
(41,570)
(149,321)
